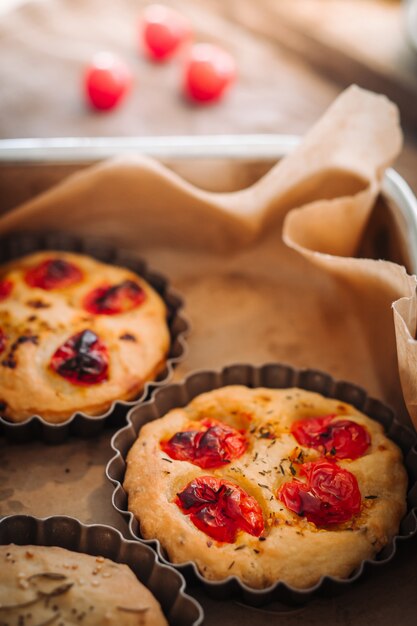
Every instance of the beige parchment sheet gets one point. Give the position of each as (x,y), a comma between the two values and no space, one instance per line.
(267,272)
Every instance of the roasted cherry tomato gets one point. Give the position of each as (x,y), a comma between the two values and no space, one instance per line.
(209,73)
(163,30)
(53,274)
(341,439)
(82,360)
(220,508)
(110,300)
(6,287)
(329,496)
(107,80)
(216,444)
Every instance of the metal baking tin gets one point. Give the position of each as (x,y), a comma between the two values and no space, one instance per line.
(275,376)
(166,584)
(84,150)
(80,424)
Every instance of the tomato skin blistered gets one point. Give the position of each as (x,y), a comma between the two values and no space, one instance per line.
(339,439)
(53,274)
(82,360)
(114,299)
(215,444)
(220,508)
(329,496)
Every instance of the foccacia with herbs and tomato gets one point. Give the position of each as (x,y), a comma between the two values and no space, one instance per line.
(268,485)
(47,585)
(75,335)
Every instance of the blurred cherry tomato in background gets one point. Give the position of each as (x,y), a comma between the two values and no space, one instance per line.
(163,30)
(107,80)
(209,72)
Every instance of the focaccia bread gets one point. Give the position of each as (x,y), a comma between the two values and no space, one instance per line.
(75,335)
(48,585)
(268,485)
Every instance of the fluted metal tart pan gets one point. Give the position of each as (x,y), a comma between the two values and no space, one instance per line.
(79,423)
(275,376)
(166,584)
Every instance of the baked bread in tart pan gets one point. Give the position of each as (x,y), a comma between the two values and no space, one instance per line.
(84,331)
(60,571)
(267,483)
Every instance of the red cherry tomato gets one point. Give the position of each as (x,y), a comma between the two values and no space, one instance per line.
(163,30)
(6,287)
(330,496)
(82,360)
(216,444)
(53,274)
(111,300)
(220,508)
(107,80)
(208,73)
(341,439)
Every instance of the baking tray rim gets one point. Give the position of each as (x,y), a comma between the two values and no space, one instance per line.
(73,150)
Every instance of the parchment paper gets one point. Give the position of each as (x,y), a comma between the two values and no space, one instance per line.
(267,272)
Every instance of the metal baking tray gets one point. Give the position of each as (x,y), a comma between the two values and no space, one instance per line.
(52,487)
(44,162)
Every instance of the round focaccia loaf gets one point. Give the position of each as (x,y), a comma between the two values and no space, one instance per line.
(274,542)
(49,585)
(114,319)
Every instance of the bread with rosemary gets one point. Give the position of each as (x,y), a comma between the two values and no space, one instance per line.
(50,585)
(267,485)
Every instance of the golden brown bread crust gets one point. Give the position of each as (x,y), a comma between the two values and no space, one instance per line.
(39,583)
(295,551)
(51,317)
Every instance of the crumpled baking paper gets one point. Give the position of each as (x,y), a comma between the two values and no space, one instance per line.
(268,272)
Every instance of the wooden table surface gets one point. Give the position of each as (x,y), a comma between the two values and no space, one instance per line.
(280,90)
(292,64)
